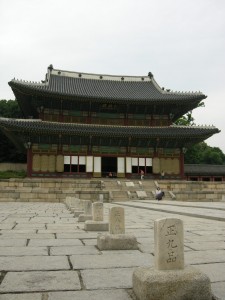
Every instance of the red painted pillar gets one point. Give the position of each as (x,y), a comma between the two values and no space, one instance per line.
(182,165)
(29,162)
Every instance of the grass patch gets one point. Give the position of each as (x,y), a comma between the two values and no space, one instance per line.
(12,174)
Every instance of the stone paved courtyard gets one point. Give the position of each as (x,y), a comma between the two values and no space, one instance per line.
(46,254)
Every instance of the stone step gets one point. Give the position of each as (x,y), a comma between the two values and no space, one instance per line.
(116,189)
(120,195)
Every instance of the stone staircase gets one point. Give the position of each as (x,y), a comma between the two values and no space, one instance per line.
(125,190)
(107,190)
(56,190)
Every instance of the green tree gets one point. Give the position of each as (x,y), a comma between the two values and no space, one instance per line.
(203,154)
(10,109)
(8,152)
(187,119)
(200,153)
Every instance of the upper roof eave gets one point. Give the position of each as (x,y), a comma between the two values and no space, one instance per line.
(32,125)
(172,98)
(87,86)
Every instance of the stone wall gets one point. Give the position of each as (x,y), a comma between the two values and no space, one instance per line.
(194,190)
(56,190)
(50,190)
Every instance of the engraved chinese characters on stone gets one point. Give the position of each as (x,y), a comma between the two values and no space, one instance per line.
(98,211)
(169,244)
(116,220)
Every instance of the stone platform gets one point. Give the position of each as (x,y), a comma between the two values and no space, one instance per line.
(46,254)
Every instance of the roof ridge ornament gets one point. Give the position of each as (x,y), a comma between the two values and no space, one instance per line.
(50,67)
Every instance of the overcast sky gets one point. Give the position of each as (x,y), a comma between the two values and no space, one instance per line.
(182,42)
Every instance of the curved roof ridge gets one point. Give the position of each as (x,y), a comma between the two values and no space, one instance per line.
(31,83)
(5,120)
(110,87)
(169,91)
(193,126)
(98,76)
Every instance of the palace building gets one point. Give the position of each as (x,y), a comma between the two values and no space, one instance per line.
(90,125)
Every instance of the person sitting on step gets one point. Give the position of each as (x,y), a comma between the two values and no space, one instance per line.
(159,194)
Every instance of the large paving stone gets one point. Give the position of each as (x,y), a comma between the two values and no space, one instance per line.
(16,220)
(207,238)
(118,252)
(32,225)
(60,230)
(34,263)
(111,261)
(110,278)
(115,294)
(213,231)
(138,221)
(12,242)
(21,251)
(40,281)
(74,250)
(146,248)
(220,245)
(43,220)
(90,242)
(6,226)
(146,240)
(77,235)
(62,226)
(14,235)
(218,290)
(145,233)
(214,271)
(67,220)
(54,242)
(16,231)
(201,257)
(33,296)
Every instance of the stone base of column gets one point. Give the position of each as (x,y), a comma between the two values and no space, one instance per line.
(117,242)
(189,283)
(83,218)
(96,226)
(77,212)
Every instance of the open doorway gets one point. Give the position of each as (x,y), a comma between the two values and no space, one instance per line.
(109,164)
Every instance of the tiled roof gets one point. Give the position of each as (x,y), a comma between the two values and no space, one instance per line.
(106,87)
(204,170)
(39,126)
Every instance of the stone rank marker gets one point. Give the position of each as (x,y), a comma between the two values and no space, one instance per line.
(116,239)
(97,224)
(87,207)
(170,279)
(87,211)
(75,205)
(116,220)
(97,211)
(169,244)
